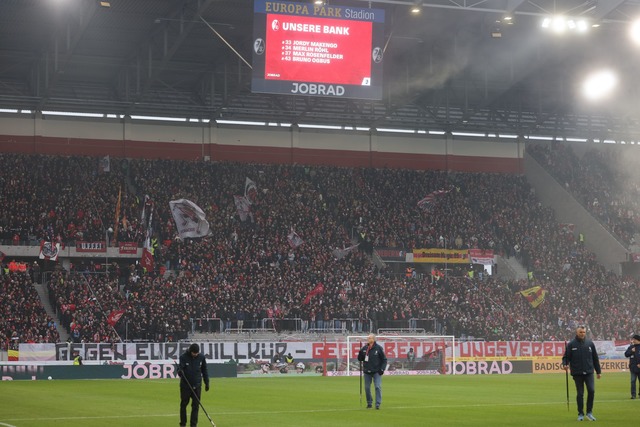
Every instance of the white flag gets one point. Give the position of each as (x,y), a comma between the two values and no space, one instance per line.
(250,190)
(105,164)
(190,219)
(243,207)
(294,239)
(49,250)
(341,253)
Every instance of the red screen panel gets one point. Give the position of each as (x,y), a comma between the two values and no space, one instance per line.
(318,50)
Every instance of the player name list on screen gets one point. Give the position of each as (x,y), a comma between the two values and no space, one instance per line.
(315,50)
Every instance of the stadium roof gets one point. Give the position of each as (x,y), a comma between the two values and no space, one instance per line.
(458,65)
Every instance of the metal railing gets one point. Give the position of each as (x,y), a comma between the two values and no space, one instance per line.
(341,326)
(206,324)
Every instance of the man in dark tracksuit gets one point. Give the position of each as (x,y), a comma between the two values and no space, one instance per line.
(633,353)
(374,365)
(192,370)
(582,358)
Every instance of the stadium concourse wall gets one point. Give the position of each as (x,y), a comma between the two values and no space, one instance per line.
(257,358)
(127,138)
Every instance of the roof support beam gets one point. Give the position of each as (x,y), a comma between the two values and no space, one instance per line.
(604,8)
(156,70)
(71,39)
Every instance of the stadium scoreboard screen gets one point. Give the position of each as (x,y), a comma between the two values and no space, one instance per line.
(316,50)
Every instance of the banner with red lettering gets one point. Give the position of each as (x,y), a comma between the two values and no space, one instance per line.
(481,256)
(391,254)
(246,351)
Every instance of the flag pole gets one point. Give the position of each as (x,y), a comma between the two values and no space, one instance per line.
(360,377)
(566,379)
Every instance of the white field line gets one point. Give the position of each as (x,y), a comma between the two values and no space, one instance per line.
(311,411)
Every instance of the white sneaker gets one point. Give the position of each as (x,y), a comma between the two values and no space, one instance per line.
(590,416)
(580,417)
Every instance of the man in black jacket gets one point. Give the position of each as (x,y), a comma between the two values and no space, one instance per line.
(192,370)
(633,353)
(374,365)
(582,358)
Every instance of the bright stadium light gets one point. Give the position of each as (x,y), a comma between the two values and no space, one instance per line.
(559,25)
(634,31)
(599,85)
(582,26)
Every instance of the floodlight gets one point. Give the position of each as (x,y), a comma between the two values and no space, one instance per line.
(582,26)
(559,24)
(417,7)
(599,84)
(634,31)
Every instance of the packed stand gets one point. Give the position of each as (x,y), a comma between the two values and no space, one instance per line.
(600,181)
(23,318)
(246,271)
(62,199)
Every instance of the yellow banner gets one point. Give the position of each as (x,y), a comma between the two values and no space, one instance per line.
(534,295)
(442,256)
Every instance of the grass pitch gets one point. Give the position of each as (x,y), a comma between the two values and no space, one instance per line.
(489,400)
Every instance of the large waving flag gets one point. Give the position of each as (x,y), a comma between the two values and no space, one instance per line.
(190,219)
(49,250)
(250,190)
(535,295)
(341,253)
(114,316)
(243,207)
(318,290)
(429,200)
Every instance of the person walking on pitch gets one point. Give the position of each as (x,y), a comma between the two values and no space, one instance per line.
(633,353)
(581,358)
(374,364)
(192,371)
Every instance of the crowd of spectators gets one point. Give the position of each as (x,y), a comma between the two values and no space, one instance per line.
(601,181)
(248,271)
(23,318)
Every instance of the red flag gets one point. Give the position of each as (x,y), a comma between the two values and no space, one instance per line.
(147,260)
(318,290)
(114,316)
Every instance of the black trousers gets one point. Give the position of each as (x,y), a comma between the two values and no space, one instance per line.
(185,395)
(582,381)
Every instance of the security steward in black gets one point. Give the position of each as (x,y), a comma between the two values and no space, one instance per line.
(633,353)
(581,358)
(192,370)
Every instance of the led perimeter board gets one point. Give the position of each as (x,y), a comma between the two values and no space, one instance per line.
(315,50)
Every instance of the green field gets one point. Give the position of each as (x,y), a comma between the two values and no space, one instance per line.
(488,400)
